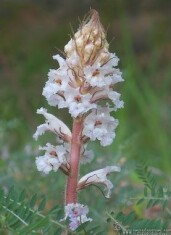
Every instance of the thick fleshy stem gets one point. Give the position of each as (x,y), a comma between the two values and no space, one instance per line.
(72,181)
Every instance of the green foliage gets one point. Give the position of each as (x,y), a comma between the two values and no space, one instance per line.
(23,216)
(31,32)
(154,194)
(124,224)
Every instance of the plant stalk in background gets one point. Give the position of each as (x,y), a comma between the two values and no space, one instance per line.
(84,84)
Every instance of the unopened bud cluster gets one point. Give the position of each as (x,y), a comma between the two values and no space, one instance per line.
(84,84)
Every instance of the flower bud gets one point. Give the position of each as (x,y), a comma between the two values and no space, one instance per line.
(89,42)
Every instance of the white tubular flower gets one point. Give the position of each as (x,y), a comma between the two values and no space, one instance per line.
(77,215)
(78,103)
(45,164)
(54,88)
(115,97)
(100,125)
(86,155)
(54,125)
(60,60)
(103,75)
(99,177)
(54,157)
(61,151)
(57,84)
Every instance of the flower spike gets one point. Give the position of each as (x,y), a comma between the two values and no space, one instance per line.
(84,83)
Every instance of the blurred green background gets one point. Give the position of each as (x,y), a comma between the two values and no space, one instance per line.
(30,33)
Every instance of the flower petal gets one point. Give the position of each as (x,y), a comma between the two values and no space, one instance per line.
(52,124)
(77,215)
(100,177)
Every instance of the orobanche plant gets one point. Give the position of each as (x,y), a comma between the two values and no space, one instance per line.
(84,84)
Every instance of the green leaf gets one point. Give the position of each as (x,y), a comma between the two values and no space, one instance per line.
(130,218)
(14,224)
(1,195)
(112,213)
(150,203)
(156,202)
(42,204)
(28,216)
(108,220)
(58,231)
(164,204)
(33,200)
(22,196)
(36,225)
(119,216)
(140,201)
(11,194)
(153,192)
(145,191)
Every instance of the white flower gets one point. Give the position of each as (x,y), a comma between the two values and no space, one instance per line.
(54,157)
(77,103)
(98,75)
(45,164)
(86,155)
(60,60)
(77,215)
(100,177)
(95,76)
(57,83)
(100,125)
(54,125)
(50,91)
(61,151)
(115,97)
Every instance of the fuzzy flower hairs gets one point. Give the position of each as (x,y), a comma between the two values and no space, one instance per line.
(84,84)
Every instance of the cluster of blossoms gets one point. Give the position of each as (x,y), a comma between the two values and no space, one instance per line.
(83,84)
(77,214)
